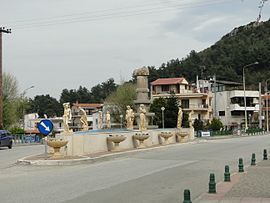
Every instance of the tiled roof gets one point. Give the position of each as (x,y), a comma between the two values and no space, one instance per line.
(88,105)
(167,81)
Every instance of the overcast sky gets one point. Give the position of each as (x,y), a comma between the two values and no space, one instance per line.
(57,44)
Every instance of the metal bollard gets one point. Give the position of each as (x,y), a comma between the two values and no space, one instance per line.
(253,160)
(240,166)
(265,154)
(187,196)
(227,175)
(212,184)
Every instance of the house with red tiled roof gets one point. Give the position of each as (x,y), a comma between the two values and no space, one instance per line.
(188,96)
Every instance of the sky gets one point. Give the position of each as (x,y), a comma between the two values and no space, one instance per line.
(58,44)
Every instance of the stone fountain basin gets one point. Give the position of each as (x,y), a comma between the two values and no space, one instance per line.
(56,143)
(141,137)
(166,134)
(116,138)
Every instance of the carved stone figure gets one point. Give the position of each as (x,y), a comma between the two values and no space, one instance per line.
(144,71)
(108,120)
(129,117)
(190,120)
(179,118)
(142,111)
(100,119)
(67,117)
(83,119)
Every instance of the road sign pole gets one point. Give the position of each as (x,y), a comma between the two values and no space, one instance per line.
(46,147)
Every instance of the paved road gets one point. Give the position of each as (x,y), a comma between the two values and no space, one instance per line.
(9,156)
(159,175)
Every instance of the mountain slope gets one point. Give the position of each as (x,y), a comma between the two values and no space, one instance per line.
(226,58)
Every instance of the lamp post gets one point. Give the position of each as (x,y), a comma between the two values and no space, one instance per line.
(266,90)
(22,96)
(121,120)
(162,109)
(244,85)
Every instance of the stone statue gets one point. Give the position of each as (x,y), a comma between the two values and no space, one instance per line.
(144,71)
(129,118)
(67,117)
(100,119)
(179,118)
(142,111)
(108,120)
(190,121)
(83,119)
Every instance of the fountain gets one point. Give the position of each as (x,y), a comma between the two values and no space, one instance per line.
(142,90)
(56,144)
(141,137)
(116,139)
(166,136)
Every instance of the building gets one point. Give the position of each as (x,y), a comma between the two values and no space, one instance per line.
(229,107)
(91,110)
(266,110)
(31,120)
(189,96)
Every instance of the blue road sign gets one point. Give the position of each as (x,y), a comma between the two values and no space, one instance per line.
(45,127)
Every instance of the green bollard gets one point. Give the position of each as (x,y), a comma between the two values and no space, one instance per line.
(253,160)
(265,154)
(187,196)
(227,175)
(240,166)
(212,184)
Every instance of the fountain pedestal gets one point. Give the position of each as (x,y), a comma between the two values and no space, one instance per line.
(116,139)
(166,136)
(56,145)
(141,137)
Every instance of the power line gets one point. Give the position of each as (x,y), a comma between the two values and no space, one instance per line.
(126,13)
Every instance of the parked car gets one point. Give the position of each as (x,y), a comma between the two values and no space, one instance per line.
(5,139)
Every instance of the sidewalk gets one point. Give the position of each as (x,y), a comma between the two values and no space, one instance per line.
(252,186)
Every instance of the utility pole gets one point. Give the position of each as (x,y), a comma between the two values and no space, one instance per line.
(2,30)
(260,105)
(215,95)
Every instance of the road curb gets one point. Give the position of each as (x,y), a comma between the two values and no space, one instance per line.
(89,160)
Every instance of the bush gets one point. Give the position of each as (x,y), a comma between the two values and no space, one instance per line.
(16,130)
(216,124)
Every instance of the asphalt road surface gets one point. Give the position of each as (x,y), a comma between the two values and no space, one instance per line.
(159,175)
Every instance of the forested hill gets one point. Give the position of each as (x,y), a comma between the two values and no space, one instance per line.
(226,58)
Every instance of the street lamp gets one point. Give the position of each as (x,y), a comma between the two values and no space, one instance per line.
(162,109)
(244,85)
(266,90)
(121,119)
(22,97)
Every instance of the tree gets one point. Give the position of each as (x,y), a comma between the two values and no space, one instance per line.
(11,101)
(216,124)
(101,91)
(198,124)
(124,95)
(45,104)
(156,108)
(171,112)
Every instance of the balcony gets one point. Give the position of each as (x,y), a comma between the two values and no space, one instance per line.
(198,107)
(237,107)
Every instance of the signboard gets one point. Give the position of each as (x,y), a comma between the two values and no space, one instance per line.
(45,127)
(205,133)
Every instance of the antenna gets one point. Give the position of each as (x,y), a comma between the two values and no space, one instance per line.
(262,2)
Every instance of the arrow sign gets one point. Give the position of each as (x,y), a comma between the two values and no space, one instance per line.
(45,126)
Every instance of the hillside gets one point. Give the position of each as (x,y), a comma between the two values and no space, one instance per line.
(226,58)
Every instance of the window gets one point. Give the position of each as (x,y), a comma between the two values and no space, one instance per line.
(221,113)
(185,103)
(165,88)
